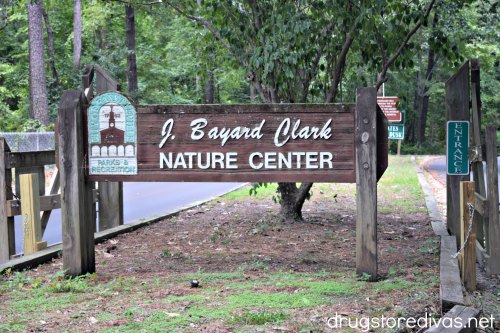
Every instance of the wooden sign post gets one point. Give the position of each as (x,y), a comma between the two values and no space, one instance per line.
(225,143)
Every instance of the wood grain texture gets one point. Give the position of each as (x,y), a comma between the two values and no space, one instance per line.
(78,231)
(29,159)
(449,275)
(47,203)
(458,313)
(493,262)
(111,193)
(468,257)
(477,166)
(30,212)
(53,190)
(383,143)
(40,170)
(4,220)
(366,182)
(151,119)
(457,108)
(104,82)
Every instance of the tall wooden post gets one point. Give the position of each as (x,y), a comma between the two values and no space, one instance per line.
(366,182)
(7,236)
(493,260)
(468,258)
(457,108)
(76,195)
(110,193)
(88,92)
(476,145)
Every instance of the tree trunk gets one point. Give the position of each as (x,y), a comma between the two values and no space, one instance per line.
(50,48)
(252,93)
(292,200)
(131,57)
(423,91)
(77,34)
(39,106)
(100,35)
(209,89)
(412,119)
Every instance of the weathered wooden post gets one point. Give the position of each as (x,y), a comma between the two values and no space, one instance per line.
(493,260)
(477,153)
(76,195)
(366,182)
(7,239)
(468,258)
(110,193)
(457,108)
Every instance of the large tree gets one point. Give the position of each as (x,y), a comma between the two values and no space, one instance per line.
(298,51)
(39,105)
(77,34)
(131,52)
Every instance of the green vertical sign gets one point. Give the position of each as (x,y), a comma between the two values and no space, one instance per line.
(457,147)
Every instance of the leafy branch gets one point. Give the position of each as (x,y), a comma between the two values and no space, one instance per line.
(208,25)
(387,62)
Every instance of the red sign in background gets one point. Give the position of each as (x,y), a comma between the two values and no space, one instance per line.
(389,108)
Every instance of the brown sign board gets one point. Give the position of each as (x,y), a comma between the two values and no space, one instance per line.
(234,143)
(389,106)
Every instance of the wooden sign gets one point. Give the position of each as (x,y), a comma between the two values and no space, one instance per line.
(389,106)
(240,143)
(112,138)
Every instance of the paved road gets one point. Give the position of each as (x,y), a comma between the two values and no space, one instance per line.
(437,168)
(142,200)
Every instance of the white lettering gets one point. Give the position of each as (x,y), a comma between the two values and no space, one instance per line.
(196,126)
(251,163)
(166,132)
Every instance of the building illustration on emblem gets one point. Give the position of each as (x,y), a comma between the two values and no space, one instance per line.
(112,135)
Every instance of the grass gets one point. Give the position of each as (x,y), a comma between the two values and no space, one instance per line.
(400,183)
(263,192)
(247,299)
(259,318)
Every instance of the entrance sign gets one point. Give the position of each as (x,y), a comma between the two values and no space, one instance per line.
(396,131)
(241,143)
(233,143)
(389,106)
(112,135)
(457,147)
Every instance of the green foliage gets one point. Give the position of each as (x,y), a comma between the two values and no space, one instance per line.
(261,190)
(290,48)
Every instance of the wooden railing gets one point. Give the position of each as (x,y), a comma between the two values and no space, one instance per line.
(22,179)
(32,201)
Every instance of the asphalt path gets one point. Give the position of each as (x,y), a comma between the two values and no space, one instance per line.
(437,168)
(141,200)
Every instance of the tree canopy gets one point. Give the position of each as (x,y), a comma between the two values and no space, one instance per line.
(248,51)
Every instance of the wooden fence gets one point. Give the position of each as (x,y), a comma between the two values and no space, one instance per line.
(33,202)
(463,102)
(25,168)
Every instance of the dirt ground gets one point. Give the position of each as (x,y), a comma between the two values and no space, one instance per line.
(235,246)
